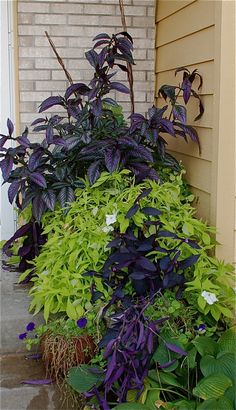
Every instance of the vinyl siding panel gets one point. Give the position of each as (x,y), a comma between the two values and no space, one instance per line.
(196,34)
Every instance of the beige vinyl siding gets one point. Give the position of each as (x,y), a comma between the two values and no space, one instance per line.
(194,34)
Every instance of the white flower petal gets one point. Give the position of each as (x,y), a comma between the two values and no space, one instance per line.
(110,219)
(209,297)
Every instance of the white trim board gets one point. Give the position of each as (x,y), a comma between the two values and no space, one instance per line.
(7,105)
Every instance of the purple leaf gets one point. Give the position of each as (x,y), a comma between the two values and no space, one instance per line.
(34,159)
(24,250)
(101,36)
(38,381)
(132,211)
(112,159)
(111,366)
(49,199)
(65,196)
(150,211)
(38,121)
(186,86)
(12,190)
(38,207)
(180,113)
(79,88)
(142,153)
(92,58)
(6,167)
(176,349)
(93,172)
(38,179)
(119,87)
(168,126)
(146,264)
(143,194)
(49,134)
(24,141)
(167,364)
(3,140)
(50,102)
(10,127)
(100,43)
(190,261)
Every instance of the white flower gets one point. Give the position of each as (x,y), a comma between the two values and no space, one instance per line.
(108,229)
(74,282)
(95,211)
(110,219)
(45,272)
(209,297)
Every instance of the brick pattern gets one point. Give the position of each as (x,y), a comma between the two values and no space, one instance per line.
(72,24)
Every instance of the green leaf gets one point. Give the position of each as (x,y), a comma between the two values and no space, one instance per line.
(227,341)
(225,364)
(222,404)
(205,345)
(170,379)
(84,377)
(212,387)
(152,396)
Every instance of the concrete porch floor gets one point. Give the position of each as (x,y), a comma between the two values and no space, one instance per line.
(14,366)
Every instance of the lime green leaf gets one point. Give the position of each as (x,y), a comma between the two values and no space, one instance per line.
(212,387)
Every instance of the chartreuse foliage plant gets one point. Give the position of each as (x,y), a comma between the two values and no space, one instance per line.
(78,242)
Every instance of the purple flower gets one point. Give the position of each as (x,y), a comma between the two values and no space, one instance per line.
(22,336)
(82,322)
(201,328)
(30,326)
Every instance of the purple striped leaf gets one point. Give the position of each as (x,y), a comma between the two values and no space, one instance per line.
(94,172)
(79,88)
(12,190)
(6,167)
(50,102)
(101,36)
(112,159)
(3,140)
(65,196)
(38,207)
(119,87)
(180,113)
(38,179)
(49,199)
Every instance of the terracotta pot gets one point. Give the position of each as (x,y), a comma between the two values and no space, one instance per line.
(59,353)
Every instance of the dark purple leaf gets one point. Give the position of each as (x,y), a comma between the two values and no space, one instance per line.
(94,172)
(49,134)
(146,264)
(24,141)
(49,199)
(168,126)
(37,381)
(190,261)
(180,113)
(97,107)
(92,58)
(38,179)
(167,364)
(79,88)
(12,190)
(110,101)
(24,250)
(137,275)
(66,196)
(132,211)
(112,159)
(10,127)
(126,34)
(6,167)
(111,366)
(38,207)
(22,231)
(38,121)
(143,194)
(34,159)
(100,43)
(50,102)
(176,349)
(3,140)
(101,36)
(150,211)
(186,86)
(119,87)
(142,153)
(167,234)
(167,91)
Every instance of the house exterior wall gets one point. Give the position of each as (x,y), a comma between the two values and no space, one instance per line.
(200,34)
(72,24)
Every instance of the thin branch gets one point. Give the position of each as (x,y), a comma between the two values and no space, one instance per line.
(129,65)
(59,59)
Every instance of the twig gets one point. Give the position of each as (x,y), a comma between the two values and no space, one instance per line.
(129,65)
(59,59)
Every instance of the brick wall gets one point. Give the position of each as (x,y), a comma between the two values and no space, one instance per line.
(72,24)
